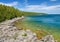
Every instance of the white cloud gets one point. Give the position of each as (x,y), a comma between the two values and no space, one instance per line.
(39,7)
(53,0)
(9,4)
(42,8)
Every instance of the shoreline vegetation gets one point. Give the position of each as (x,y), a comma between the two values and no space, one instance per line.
(8,16)
(7,12)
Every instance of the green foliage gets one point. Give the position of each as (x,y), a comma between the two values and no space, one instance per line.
(7,12)
(24,34)
(32,13)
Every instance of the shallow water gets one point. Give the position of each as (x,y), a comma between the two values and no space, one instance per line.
(49,20)
(50,23)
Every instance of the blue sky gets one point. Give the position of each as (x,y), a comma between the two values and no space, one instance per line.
(45,6)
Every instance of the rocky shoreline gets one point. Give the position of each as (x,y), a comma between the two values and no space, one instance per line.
(10,33)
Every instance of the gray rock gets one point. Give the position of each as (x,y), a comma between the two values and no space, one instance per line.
(10,33)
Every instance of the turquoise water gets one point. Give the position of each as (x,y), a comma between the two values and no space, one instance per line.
(49,20)
(49,23)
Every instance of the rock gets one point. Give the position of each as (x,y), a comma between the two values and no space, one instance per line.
(10,33)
